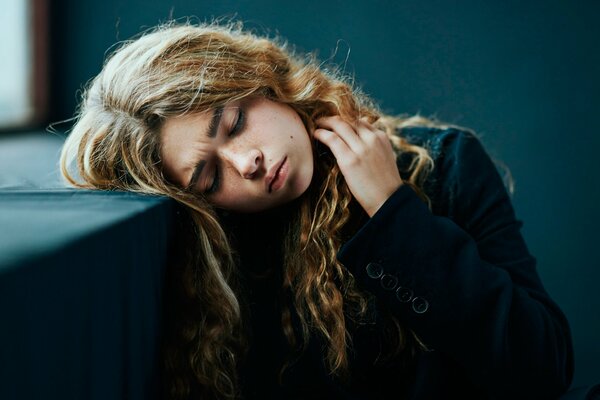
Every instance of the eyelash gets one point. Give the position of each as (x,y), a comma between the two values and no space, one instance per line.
(239,123)
(236,129)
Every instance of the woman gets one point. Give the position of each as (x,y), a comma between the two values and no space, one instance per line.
(331,250)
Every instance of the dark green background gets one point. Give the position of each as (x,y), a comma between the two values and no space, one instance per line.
(522,74)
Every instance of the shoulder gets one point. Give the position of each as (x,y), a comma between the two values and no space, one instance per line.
(463,168)
(440,142)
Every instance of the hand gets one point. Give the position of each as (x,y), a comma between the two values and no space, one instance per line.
(365,157)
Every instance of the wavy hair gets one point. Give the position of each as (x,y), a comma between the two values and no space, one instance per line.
(175,69)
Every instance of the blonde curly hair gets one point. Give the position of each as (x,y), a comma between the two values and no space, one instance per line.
(180,68)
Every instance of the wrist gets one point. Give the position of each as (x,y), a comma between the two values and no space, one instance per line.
(371,210)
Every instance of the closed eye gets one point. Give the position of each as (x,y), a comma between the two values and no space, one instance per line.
(239,125)
(215,183)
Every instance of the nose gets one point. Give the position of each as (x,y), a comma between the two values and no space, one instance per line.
(246,162)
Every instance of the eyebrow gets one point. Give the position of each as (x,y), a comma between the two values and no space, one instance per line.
(215,121)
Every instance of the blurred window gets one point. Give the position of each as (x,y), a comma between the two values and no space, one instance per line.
(23,66)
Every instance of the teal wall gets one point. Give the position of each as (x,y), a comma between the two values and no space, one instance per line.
(522,74)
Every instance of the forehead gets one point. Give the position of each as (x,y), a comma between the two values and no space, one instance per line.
(183,140)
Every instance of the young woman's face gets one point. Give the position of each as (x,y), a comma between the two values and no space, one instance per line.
(249,156)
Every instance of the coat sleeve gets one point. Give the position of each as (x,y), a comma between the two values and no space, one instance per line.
(467,284)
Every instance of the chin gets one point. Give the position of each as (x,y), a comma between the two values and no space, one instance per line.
(304,182)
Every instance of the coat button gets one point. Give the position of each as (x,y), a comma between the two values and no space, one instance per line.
(374,270)
(419,305)
(404,294)
(389,282)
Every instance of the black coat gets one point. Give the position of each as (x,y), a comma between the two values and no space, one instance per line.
(461,277)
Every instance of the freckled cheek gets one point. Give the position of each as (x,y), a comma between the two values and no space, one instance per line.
(235,195)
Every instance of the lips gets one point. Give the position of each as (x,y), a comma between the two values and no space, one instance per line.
(276,176)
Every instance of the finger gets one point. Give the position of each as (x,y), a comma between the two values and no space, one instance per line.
(340,149)
(368,132)
(372,141)
(347,132)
